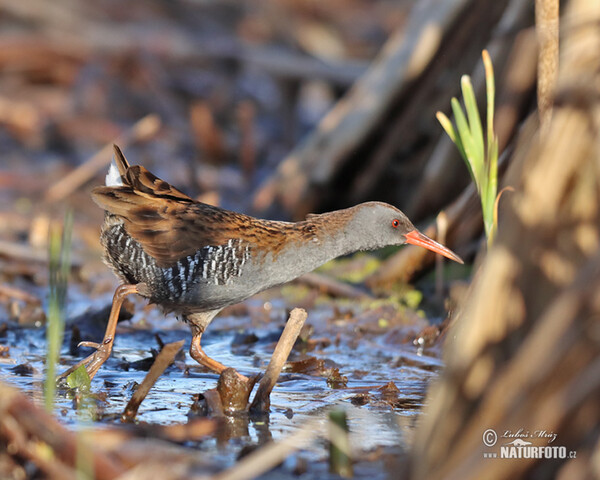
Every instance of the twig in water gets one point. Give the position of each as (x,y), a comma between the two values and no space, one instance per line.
(261,402)
(163,360)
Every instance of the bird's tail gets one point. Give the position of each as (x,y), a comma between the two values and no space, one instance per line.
(132,192)
(120,160)
(117,170)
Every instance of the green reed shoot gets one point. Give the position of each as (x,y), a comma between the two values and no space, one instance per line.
(60,265)
(340,459)
(481,159)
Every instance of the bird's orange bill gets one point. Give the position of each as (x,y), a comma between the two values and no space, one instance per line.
(417,238)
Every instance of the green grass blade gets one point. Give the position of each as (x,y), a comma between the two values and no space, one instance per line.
(340,461)
(451,132)
(464,133)
(65,255)
(59,264)
(492,187)
(446,125)
(488,194)
(474,126)
(484,198)
(488,220)
(481,157)
(490,90)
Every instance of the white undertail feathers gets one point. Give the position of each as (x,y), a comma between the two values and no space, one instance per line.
(113,177)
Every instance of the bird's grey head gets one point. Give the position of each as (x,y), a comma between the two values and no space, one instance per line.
(378,224)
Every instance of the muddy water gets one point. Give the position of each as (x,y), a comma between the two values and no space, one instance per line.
(369,357)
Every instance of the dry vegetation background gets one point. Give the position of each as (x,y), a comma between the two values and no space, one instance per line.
(282,108)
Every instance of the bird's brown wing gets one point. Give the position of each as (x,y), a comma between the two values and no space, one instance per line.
(167,223)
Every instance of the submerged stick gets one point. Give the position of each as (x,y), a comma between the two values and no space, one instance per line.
(163,360)
(261,402)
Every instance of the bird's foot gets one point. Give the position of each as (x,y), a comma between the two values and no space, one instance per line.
(198,354)
(219,368)
(92,362)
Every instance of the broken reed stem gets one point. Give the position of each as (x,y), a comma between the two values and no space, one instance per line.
(340,455)
(261,402)
(143,128)
(163,360)
(547,30)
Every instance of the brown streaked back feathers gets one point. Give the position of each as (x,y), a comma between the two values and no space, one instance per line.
(170,225)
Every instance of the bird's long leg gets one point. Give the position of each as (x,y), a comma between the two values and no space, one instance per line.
(95,360)
(202,358)
(198,354)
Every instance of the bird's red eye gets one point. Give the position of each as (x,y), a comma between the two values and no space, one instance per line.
(395,223)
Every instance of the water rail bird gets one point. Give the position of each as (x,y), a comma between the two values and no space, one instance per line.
(195,259)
